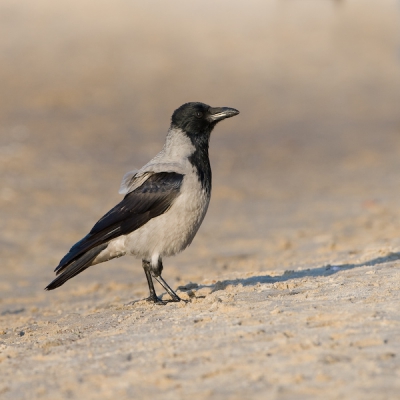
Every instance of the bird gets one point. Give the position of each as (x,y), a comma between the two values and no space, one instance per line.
(164,205)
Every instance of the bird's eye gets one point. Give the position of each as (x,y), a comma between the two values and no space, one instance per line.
(199,114)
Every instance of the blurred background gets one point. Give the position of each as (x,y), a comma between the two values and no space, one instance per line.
(310,166)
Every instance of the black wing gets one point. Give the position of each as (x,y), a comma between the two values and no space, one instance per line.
(153,198)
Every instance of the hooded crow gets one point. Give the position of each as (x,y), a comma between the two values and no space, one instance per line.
(164,205)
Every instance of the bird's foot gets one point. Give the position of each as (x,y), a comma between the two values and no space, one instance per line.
(156,300)
(175,298)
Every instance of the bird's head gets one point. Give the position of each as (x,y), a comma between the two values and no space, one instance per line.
(199,119)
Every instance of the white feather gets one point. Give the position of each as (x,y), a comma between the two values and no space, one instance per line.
(126,181)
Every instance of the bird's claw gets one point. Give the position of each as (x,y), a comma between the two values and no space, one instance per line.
(156,300)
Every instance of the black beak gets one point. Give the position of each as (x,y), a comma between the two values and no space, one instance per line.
(220,113)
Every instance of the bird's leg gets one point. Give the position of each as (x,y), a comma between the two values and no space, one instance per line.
(165,285)
(156,273)
(147,270)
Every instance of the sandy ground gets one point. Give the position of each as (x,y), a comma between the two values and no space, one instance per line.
(292,281)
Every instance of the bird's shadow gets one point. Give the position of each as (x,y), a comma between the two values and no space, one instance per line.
(325,270)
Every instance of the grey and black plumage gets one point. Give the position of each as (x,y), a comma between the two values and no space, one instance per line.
(164,205)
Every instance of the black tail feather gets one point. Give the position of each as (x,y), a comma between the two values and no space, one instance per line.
(76,267)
